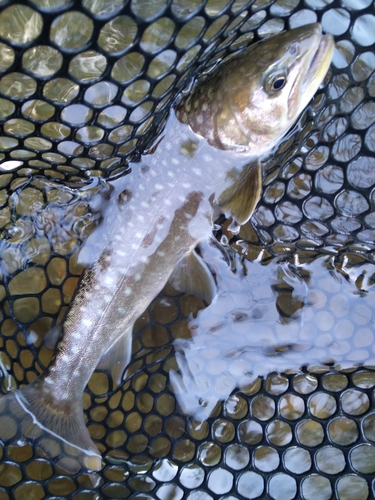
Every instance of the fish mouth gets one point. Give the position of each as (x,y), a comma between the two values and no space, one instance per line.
(321,59)
(316,55)
(319,63)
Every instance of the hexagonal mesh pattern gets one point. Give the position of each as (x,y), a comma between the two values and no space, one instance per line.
(85,87)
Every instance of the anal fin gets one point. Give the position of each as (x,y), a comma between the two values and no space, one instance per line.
(52,336)
(191,275)
(117,357)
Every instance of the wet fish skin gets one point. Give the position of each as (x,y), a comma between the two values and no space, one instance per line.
(169,205)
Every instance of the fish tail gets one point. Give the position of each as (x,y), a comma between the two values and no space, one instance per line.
(58,428)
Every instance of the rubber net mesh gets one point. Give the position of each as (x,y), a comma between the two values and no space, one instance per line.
(85,87)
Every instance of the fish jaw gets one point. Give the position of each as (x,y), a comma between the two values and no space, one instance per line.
(237,107)
(316,70)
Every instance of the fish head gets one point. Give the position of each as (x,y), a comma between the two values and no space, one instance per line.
(284,72)
(252,101)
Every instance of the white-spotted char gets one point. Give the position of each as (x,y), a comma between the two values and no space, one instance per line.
(206,161)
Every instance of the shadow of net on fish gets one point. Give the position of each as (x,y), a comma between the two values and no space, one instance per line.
(315,423)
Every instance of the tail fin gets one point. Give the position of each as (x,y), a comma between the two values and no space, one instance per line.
(58,428)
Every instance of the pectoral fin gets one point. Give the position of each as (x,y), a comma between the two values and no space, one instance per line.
(241,198)
(117,357)
(191,275)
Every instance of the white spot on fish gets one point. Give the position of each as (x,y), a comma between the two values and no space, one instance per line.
(140,218)
(160,253)
(170,173)
(145,259)
(137,277)
(197,171)
(186,185)
(175,161)
(87,322)
(158,186)
(199,119)
(127,292)
(207,158)
(108,280)
(188,216)
(145,204)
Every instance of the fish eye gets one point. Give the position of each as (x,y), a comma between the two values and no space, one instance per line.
(275,81)
(278,83)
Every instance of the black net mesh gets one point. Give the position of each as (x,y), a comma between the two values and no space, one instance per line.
(85,87)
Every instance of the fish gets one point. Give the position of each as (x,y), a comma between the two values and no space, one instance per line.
(206,160)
